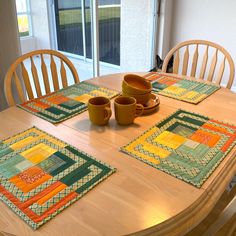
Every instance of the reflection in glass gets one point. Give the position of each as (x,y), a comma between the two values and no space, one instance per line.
(109,31)
(70,30)
(69,26)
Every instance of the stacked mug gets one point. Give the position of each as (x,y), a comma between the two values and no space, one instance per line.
(137,87)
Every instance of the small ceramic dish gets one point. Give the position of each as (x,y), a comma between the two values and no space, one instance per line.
(152,105)
(140,98)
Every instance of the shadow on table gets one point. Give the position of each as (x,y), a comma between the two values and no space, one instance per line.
(86,126)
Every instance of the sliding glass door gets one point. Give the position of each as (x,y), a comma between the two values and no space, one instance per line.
(69,26)
(109,31)
(73,28)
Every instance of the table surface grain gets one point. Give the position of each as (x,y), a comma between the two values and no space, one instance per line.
(137,199)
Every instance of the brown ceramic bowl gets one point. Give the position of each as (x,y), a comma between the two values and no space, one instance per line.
(140,98)
(134,84)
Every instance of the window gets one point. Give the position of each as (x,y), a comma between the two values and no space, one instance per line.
(24,18)
(73,28)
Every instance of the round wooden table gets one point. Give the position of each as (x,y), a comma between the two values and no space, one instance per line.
(138,199)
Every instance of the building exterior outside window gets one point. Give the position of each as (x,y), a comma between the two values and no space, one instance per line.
(24,18)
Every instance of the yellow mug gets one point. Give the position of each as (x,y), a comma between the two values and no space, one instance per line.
(127,109)
(99,110)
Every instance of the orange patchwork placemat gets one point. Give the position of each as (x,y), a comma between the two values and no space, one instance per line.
(66,103)
(42,175)
(179,88)
(185,145)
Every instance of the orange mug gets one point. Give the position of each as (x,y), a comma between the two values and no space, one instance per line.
(99,110)
(127,109)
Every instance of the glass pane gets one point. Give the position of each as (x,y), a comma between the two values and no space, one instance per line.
(88,29)
(21,6)
(69,26)
(109,2)
(109,31)
(23,24)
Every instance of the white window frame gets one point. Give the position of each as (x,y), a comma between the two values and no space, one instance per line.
(28,13)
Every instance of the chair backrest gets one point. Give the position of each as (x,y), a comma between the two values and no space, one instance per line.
(219,57)
(32,85)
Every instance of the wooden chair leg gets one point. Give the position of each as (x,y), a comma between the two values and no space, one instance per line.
(224,217)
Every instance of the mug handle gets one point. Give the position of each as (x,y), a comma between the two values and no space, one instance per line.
(107,113)
(139,113)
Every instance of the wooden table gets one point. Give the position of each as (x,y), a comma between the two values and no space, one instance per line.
(137,199)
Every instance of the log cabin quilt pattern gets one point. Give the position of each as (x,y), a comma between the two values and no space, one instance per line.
(185,145)
(65,103)
(181,89)
(41,175)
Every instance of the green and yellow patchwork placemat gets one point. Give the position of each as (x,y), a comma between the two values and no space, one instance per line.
(185,145)
(182,89)
(41,175)
(66,103)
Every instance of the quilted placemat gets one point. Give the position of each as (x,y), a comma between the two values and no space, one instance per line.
(66,103)
(41,175)
(185,145)
(182,89)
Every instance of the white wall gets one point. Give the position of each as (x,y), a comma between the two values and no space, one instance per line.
(213,20)
(40,25)
(28,44)
(136,34)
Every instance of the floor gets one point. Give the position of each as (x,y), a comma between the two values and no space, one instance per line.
(84,69)
(214,215)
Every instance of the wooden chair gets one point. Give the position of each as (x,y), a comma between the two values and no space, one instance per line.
(222,219)
(30,81)
(200,66)
(226,219)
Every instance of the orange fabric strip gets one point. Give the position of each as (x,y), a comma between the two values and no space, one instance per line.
(52,193)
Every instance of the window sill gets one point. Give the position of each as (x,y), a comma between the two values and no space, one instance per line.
(26,38)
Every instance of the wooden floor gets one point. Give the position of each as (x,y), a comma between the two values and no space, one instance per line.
(227,230)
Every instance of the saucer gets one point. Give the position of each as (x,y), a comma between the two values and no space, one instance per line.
(152,105)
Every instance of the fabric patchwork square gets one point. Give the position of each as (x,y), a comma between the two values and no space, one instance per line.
(197,150)
(38,153)
(29,179)
(44,175)
(65,103)
(56,163)
(71,104)
(180,88)
(97,93)
(170,139)
(175,90)
(191,144)
(12,166)
(83,98)
(4,151)
(21,143)
(159,86)
(181,130)
(205,137)
(25,164)
(41,105)
(57,99)
(185,145)
(56,111)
